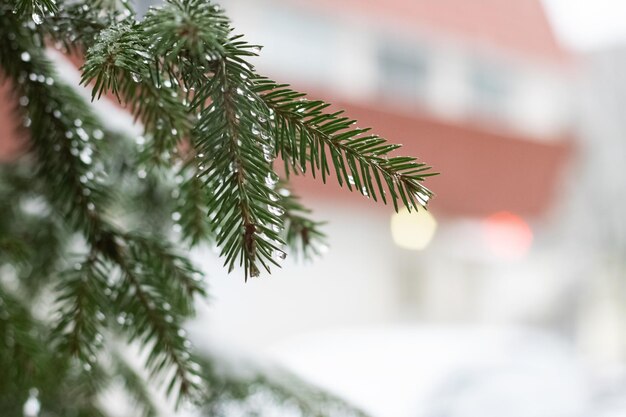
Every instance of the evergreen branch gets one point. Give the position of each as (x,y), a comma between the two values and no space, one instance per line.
(188,35)
(232,137)
(82,299)
(61,132)
(172,273)
(122,62)
(308,136)
(152,322)
(117,61)
(65,159)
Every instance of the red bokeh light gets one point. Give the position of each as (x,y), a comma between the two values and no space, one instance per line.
(507,235)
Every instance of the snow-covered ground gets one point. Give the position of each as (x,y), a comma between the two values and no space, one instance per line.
(435,371)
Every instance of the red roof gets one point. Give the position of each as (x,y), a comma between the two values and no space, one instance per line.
(513,26)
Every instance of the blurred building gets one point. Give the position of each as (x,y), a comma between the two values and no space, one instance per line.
(480,90)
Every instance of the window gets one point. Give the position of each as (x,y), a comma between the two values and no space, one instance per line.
(490,87)
(404,70)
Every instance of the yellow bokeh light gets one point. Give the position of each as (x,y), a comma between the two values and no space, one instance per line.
(413,230)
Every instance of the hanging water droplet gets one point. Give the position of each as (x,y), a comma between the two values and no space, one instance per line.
(142,173)
(49,81)
(82,134)
(78,123)
(364,191)
(24,101)
(240,91)
(25,56)
(177,228)
(136,77)
(277,211)
(268,153)
(351,180)
(279,254)
(37,18)
(32,406)
(422,198)
(271,179)
(56,114)
(91,206)
(87,367)
(85,156)
(176,216)
(167,83)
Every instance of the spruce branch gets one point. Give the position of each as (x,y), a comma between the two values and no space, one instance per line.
(174,275)
(151,322)
(82,304)
(61,128)
(244,206)
(311,138)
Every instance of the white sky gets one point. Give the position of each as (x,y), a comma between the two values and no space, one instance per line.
(588,24)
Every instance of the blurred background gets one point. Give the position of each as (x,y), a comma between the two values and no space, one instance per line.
(507,297)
